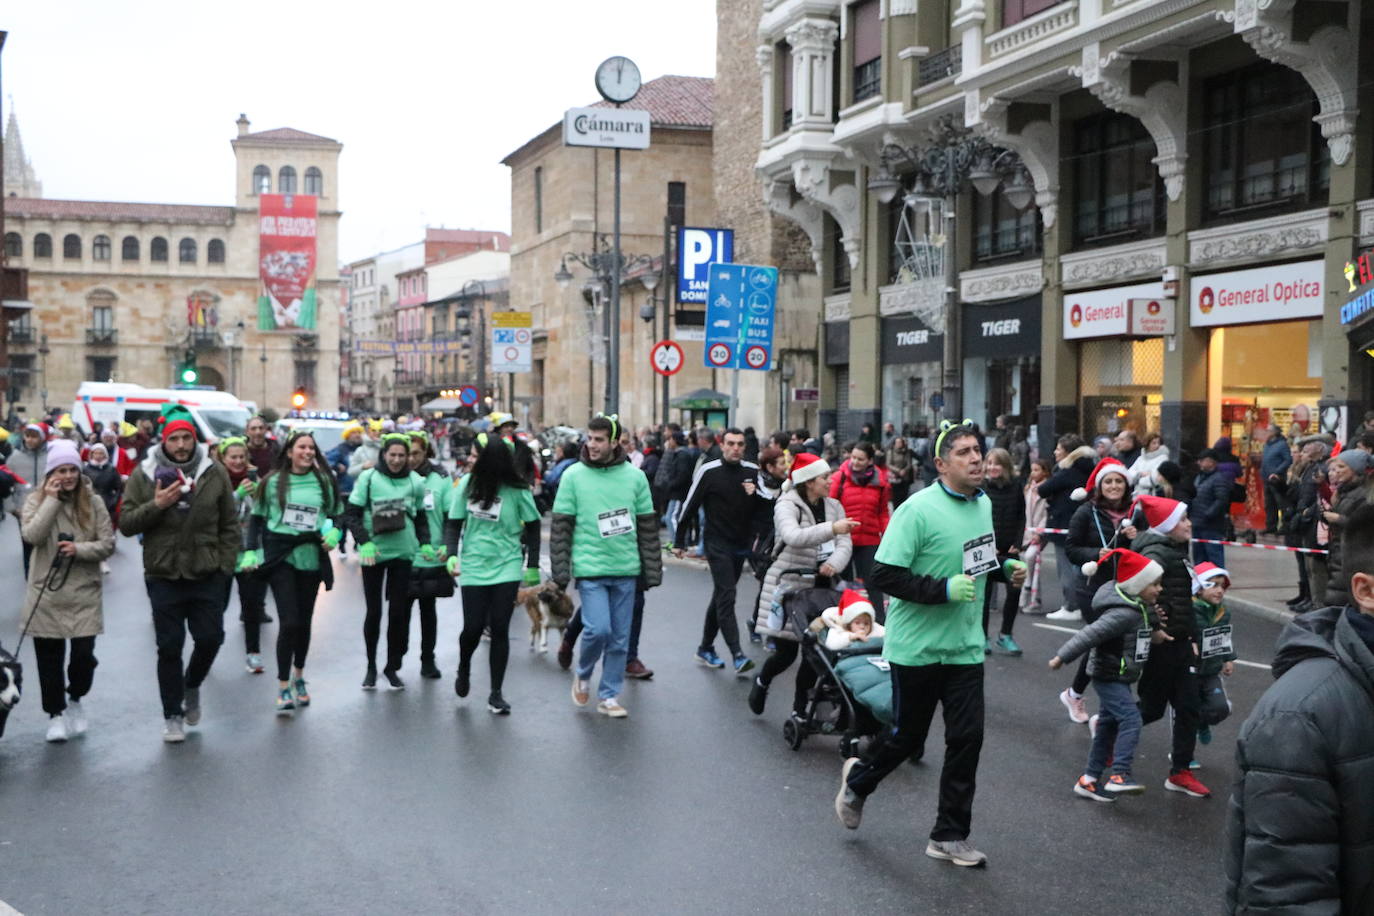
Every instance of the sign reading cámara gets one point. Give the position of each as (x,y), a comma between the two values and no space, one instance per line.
(608,128)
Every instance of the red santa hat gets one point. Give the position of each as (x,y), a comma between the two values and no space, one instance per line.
(853,605)
(1161,514)
(1104,467)
(40,428)
(1204,573)
(1133,571)
(806,466)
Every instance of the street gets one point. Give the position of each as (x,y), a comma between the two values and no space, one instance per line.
(418,801)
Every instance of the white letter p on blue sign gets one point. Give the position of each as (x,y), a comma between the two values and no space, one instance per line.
(697,250)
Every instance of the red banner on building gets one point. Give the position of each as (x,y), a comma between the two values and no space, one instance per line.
(287,261)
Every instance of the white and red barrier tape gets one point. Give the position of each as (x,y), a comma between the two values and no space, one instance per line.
(1208,541)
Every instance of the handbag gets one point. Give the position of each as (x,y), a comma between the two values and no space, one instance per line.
(387,519)
(429,582)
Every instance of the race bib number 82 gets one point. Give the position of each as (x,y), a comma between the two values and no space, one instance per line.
(980,556)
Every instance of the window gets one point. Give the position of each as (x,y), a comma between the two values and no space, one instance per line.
(14,245)
(262,180)
(21,330)
(129,248)
(1119,192)
(186,251)
(22,367)
(71,247)
(101,368)
(214,252)
(1263,150)
(286,180)
(102,318)
(1000,231)
(839,258)
(305,376)
(314,181)
(785,61)
(100,248)
(677,203)
(42,245)
(1013,11)
(157,251)
(538,198)
(868,50)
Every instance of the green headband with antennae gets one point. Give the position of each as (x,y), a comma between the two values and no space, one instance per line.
(945,427)
(225,444)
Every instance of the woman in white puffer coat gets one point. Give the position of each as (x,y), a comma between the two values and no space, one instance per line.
(1142,470)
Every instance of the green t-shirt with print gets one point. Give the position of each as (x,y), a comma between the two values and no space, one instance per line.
(435,502)
(606,503)
(307,508)
(375,491)
(491,551)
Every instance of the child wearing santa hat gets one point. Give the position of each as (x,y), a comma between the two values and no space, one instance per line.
(852,621)
(1119,640)
(1217,656)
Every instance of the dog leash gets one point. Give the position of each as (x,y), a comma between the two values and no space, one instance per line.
(51,582)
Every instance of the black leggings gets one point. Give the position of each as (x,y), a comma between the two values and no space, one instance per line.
(49,654)
(252,605)
(1010,607)
(393,576)
(784,653)
(487,606)
(294,591)
(429,627)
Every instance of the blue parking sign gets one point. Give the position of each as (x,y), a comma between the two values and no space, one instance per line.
(697,250)
(740,304)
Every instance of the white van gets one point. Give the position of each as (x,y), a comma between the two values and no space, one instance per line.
(217,413)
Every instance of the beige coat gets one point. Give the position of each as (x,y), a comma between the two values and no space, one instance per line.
(73,610)
(796,530)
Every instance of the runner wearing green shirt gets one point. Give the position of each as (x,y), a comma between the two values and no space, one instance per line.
(429,581)
(492,511)
(934,561)
(387,520)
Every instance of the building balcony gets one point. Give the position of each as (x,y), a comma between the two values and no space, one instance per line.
(940,65)
(20,337)
(409,377)
(102,337)
(204,339)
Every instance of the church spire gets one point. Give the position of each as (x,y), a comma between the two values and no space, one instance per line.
(20,180)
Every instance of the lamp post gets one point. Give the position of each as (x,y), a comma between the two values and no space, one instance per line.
(43,352)
(463,321)
(263,361)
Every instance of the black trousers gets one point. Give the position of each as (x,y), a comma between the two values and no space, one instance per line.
(1272,502)
(487,606)
(915,692)
(1011,605)
(1170,679)
(294,591)
(862,567)
(784,654)
(252,605)
(50,653)
(392,581)
(725,564)
(429,627)
(179,606)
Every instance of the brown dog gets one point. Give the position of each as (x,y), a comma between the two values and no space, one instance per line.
(549,608)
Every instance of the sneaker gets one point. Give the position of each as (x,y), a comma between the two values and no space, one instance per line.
(264,617)
(191,706)
(370,679)
(172,730)
(743,664)
(286,703)
(1078,712)
(758,695)
(1092,789)
(497,705)
(463,682)
(1092,724)
(849,805)
(638,670)
(1006,644)
(302,695)
(1192,764)
(1204,734)
(709,658)
(987,647)
(612,708)
(1065,615)
(393,680)
(581,691)
(57,729)
(429,671)
(1124,785)
(565,650)
(253,663)
(1188,784)
(960,852)
(76,719)
(104,568)
(755,638)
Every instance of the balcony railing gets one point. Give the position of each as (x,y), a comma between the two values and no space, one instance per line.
(102,337)
(20,337)
(409,377)
(940,65)
(204,339)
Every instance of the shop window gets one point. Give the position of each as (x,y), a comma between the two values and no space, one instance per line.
(868,49)
(1121,384)
(784,52)
(101,248)
(262,180)
(314,181)
(71,247)
(1120,195)
(1002,232)
(286,180)
(1013,11)
(128,249)
(42,245)
(14,245)
(214,252)
(839,258)
(186,251)
(1263,150)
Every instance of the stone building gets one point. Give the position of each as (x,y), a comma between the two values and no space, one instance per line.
(122,291)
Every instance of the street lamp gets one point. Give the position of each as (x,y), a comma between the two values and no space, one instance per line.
(646,311)
(463,321)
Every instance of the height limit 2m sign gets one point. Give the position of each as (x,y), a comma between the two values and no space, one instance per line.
(740,304)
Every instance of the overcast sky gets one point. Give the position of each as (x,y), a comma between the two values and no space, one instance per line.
(136,100)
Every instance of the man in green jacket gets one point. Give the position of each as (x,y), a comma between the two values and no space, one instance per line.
(183,505)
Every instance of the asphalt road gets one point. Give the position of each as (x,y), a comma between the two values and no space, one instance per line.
(415,800)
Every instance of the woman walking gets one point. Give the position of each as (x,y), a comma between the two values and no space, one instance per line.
(70,533)
(233,454)
(387,519)
(1009,527)
(294,526)
(492,513)
(109,486)
(900,468)
(429,581)
(1032,548)
(863,492)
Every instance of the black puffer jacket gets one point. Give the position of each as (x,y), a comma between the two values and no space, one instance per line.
(1300,832)
(1090,530)
(1211,501)
(1112,637)
(1176,600)
(1344,502)
(1069,475)
(1008,512)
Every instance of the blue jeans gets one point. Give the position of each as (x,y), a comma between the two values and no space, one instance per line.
(670,518)
(1209,553)
(607,613)
(1118,729)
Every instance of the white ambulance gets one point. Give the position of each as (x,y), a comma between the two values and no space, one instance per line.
(217,413)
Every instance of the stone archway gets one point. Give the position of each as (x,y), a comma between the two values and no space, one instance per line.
(211,376)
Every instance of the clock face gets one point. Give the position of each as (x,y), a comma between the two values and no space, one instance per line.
(617,79)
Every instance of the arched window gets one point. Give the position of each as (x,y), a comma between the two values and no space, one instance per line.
(214,252)
(186,251)
(286,180)
(262,180)
(71,247)
(100,248)
(129,247)
(157,251)
(14,245)
(42,245)
(314,181)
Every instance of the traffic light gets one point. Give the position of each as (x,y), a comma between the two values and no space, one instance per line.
(298,399)
(187,373)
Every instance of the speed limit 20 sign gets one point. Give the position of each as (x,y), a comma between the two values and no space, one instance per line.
(666,357)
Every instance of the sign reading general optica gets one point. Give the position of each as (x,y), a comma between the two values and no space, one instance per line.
(608,128)
(697,250)
(1274,293)
(1104,312)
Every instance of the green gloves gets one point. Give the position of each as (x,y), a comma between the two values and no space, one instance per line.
(1011,566)
(367,554)
(331,538)
(244,489)
(452,566)
(960,588)
(531,577)
(428,554)
(249,560)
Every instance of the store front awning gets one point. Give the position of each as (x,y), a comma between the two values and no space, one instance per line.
(445,405)
(701,399)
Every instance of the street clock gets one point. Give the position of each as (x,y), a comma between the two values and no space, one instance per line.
(617,79)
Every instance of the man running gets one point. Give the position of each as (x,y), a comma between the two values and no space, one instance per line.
(934,562)
(262,451)
(183,505)
(725,489)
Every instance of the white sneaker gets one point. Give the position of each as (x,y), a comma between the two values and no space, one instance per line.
(76,719)
(172,730)
(191,706)
(1078,711)
(57,729)
(1065,615)
(612,708)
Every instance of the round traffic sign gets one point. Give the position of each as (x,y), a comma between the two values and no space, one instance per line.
(718,354)
(511,354)
(756,357)
(666,357)
(522,335)
(467,395)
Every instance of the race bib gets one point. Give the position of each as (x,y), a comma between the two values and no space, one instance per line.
(881,664)
(1216,641)
(824,552)
(1142,645)
(429,501)
(980,556)
(300,518)
(614,523)
(491,513)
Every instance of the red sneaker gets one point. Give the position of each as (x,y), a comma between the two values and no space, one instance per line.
(1188,784)
(636,669)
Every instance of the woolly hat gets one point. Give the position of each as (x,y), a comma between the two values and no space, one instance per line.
(108,433)
(807,467)
(1356,460)
(176,418)
(1133,572)
(61,453)
(1104,467)
(1162,514)
(1204,573)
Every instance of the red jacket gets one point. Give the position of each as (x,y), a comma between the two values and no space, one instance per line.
(867,505)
